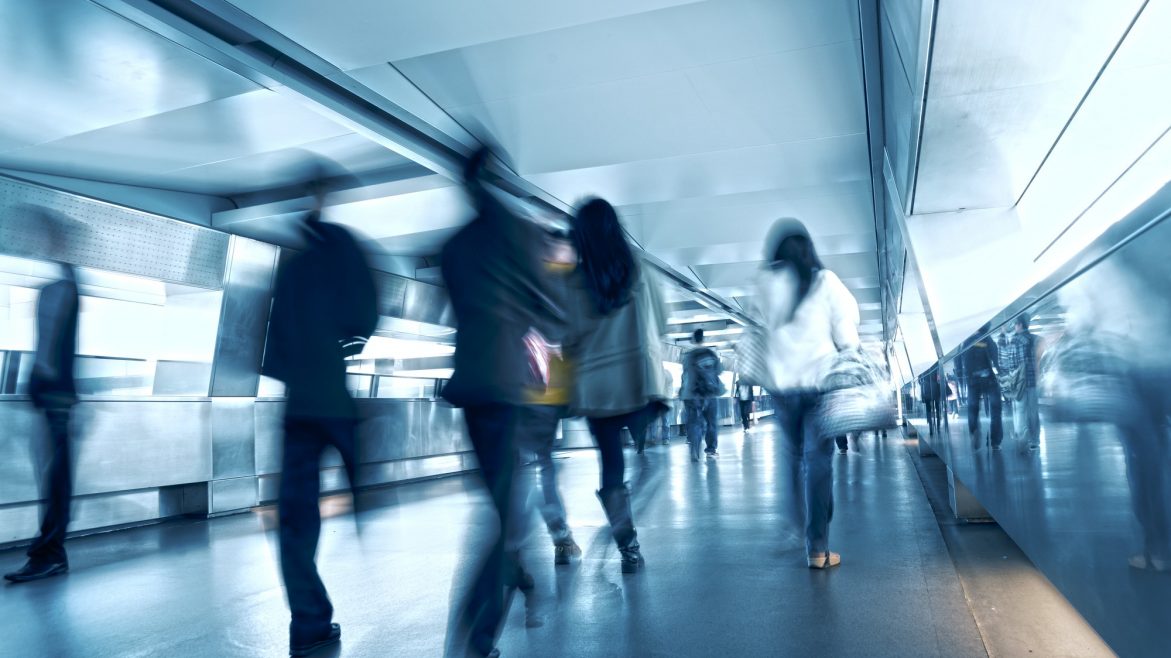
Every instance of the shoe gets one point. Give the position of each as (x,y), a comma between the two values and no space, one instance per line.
(521,579)
(631,558)
(842,451)
(996,448)
(563,552)
(1034,447)
(977,442)
(334,636)
(825,560)
(713,455)
(1148,562)
(36,571)
(495,653)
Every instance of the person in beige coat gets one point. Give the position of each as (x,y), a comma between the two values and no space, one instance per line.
(616,329)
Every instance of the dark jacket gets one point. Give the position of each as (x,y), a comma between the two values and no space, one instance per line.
(695,363)
(323,296)
(51,383)
(617,358)
(981,358)
(492,269)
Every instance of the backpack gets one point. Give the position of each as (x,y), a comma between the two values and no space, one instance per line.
(706,366)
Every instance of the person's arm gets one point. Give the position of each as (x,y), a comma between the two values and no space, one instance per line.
(845,315)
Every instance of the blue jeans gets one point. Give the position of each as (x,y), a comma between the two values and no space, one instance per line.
(536,430)
(701,422)
(1026,419)
(811,468)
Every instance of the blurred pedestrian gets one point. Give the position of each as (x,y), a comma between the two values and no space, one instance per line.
(980,360)
(498,292)
(701,390)
(810,316)
(324,308)
(745,398)
(53,392)
(1021,353)
(617,326)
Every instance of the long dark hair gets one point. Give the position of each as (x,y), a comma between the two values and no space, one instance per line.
(798,252)
(606,260)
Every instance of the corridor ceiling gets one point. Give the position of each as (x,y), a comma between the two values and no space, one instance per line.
(701,121)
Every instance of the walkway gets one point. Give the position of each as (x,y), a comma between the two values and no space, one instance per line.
(722,577)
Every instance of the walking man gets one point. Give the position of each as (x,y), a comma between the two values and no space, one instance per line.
(1021,352)
(701,390)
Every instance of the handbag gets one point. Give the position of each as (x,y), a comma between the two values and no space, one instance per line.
(1013,383)
(855,397)
(752,357)
(1086,378)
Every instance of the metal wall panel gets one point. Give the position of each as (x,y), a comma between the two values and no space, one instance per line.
(121,239)
(232,495)
(20,451)
(233,437)
(243,318)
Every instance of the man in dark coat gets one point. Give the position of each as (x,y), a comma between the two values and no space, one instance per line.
(324,307)
(54,393)
(493,273)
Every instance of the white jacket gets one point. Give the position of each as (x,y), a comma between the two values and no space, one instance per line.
(801,345)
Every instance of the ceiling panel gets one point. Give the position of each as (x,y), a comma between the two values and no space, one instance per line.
(71,67)
(148,148)
(1006,76)
(776,166)
(358,33)
(682,37)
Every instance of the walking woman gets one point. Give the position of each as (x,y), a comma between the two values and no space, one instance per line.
(616,329)
(810,316)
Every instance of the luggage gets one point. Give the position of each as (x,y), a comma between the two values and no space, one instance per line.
(856,397)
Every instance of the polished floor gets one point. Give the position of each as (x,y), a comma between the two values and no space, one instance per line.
(724,576)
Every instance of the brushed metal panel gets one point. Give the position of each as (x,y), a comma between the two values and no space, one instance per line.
(105,510)
(232,494)
(243,317)
(19,522)
(423,302)
(118,238)
(233,434)
(267,418)
(391,293)
(404,429)
(122,445)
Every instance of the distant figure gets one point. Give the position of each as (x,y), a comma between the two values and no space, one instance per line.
(980,361)
(1021,353)
(493,272)
(53,392)
(953,399)
(617,325)
(744,400)
(701,391)
(810,316)
(665,419)
(547,402)
(324,303)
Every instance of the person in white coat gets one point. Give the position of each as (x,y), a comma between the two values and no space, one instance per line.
(810,316)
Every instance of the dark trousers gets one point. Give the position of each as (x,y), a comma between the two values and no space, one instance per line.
(608,435)
(988,389)
(701,420)
(843,442)
(56,489)
(745,412)
(492,430)
(300,518)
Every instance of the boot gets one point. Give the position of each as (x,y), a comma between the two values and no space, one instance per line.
(616,503)
(564,550)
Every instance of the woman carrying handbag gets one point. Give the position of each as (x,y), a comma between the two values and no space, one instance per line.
(809,318)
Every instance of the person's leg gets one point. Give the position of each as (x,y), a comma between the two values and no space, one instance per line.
(842,443)
(790,419)
(694,426)
(819,500)
(491,429)
(536,431)
(613,494)
(995,412)
(300,527)
(711,436)
(974,406)
(639,422)
(49,546)
(1032,416)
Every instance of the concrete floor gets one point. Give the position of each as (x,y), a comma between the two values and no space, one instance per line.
(724,577)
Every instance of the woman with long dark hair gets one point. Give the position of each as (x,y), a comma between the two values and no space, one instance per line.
(810,316)
(617,324)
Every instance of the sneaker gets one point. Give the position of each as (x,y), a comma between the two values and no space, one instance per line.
(713,455)
(631,559)
(564,552)
(977,440)
(1148,562)
(842,451)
